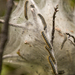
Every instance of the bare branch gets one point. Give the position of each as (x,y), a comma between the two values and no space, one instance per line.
(53,29)
(14,25)
(9,56)
(1,21)
(71,42)
(4,32)
(34,14)
(65,39)
(71,36)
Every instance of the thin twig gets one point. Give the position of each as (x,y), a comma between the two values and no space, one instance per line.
(65,39)
(71,42)
(4,32)
(9,56)
(18,52)
(1,21)
(71,36)
(14,25)
(34,14)
(53,29)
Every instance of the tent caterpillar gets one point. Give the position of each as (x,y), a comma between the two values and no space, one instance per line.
(50,52)
(46,40)
(25,10)
(43,21)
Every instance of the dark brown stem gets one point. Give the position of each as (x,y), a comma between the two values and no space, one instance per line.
(53,29)
(4,32)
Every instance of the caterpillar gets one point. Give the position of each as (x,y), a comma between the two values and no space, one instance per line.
(46,40)
(52,65)
(65,39)
(50,52)
(43,21)
(25,10)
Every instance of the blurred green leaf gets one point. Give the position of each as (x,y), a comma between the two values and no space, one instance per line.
(2,7)
(72,3)
(7,69)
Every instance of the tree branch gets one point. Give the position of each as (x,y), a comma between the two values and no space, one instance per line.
(71,36)
(14,25)
(53,29)
(4,32)
(65,39)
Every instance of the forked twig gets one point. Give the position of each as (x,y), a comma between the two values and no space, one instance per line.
(71,36)
(53,29)
(4,32)
(65,39)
